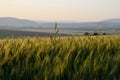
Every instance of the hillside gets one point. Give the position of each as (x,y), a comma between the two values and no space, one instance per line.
(24,23)
(115,20)
(15,22)
(104,25)
(109,26)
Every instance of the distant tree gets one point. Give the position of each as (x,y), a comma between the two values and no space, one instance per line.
(95,33)
(104,33)
(86,33)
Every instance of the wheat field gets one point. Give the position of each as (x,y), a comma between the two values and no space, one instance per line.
(60,58)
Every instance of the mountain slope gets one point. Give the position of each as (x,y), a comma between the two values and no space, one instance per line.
(14,22)
(104,24)
(6,22)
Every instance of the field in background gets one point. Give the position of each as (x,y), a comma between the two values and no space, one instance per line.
(60,58)
(72,31)
(5,33)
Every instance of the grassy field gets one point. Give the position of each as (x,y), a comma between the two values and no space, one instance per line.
(61,58)
(5,33)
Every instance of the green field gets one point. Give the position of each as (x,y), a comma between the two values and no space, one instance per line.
(60,58)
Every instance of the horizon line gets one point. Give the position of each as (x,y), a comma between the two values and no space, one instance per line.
(64,21)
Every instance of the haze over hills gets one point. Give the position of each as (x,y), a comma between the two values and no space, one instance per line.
(110,26)
(23,23)
(104,24)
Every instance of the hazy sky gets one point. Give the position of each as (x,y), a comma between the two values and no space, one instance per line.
(61,10)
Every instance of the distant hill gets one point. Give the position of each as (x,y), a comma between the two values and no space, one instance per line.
(9,22)
(15,22)
(104,24)
(112,20)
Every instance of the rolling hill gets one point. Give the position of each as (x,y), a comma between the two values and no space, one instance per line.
(104,24)
(23,23)
(17,23)
(110,26)
(112,20)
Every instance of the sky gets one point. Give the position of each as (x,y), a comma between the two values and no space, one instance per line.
(60,10)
